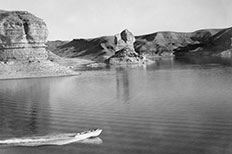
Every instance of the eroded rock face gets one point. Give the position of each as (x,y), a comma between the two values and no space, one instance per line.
(124,40)
(125,52)
(22,36)
(127,56)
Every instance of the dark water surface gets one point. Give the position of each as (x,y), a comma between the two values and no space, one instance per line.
(181,106)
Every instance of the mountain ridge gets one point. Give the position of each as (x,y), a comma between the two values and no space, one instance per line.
(207,42)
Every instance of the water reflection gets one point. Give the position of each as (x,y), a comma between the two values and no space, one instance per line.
(96,140)
(122,84)
(33,119)
(171,107)
(189,62)
(204,60)
(23,98)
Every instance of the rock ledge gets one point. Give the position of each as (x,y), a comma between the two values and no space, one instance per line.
(22,36)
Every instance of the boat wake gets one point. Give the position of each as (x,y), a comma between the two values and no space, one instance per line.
(87,137)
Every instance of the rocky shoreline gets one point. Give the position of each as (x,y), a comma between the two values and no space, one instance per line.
(25,52)
(19,69)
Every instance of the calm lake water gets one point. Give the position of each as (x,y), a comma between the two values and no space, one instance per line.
(181,106)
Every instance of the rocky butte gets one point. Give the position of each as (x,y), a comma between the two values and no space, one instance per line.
(124,50)
(22,36)
(22,47)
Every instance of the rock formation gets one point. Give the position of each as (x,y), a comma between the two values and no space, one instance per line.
(125,39)
(208,42)
(22,47)
(125,53)
(22,36)
(126,56)
(99,49)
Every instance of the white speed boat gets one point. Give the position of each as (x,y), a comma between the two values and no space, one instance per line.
(61,139)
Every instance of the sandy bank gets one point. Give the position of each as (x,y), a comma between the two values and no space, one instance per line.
(26,69)
(54,66)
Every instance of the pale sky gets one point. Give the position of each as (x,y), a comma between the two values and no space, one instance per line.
(69,19)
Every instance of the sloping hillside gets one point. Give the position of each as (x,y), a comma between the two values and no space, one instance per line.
(95,49)
(201,42)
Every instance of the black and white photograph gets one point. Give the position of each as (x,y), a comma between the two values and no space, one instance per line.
(115,77)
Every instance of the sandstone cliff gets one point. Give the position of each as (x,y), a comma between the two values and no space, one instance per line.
(23,52)
(124,50)
(22,36)
(127,56)
(125,39)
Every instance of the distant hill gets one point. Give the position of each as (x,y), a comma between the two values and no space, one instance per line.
(94,49)
(201,42)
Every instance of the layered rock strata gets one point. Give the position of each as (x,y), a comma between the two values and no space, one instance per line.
(126,56)
(125,52)
(125,39)
(22,36)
